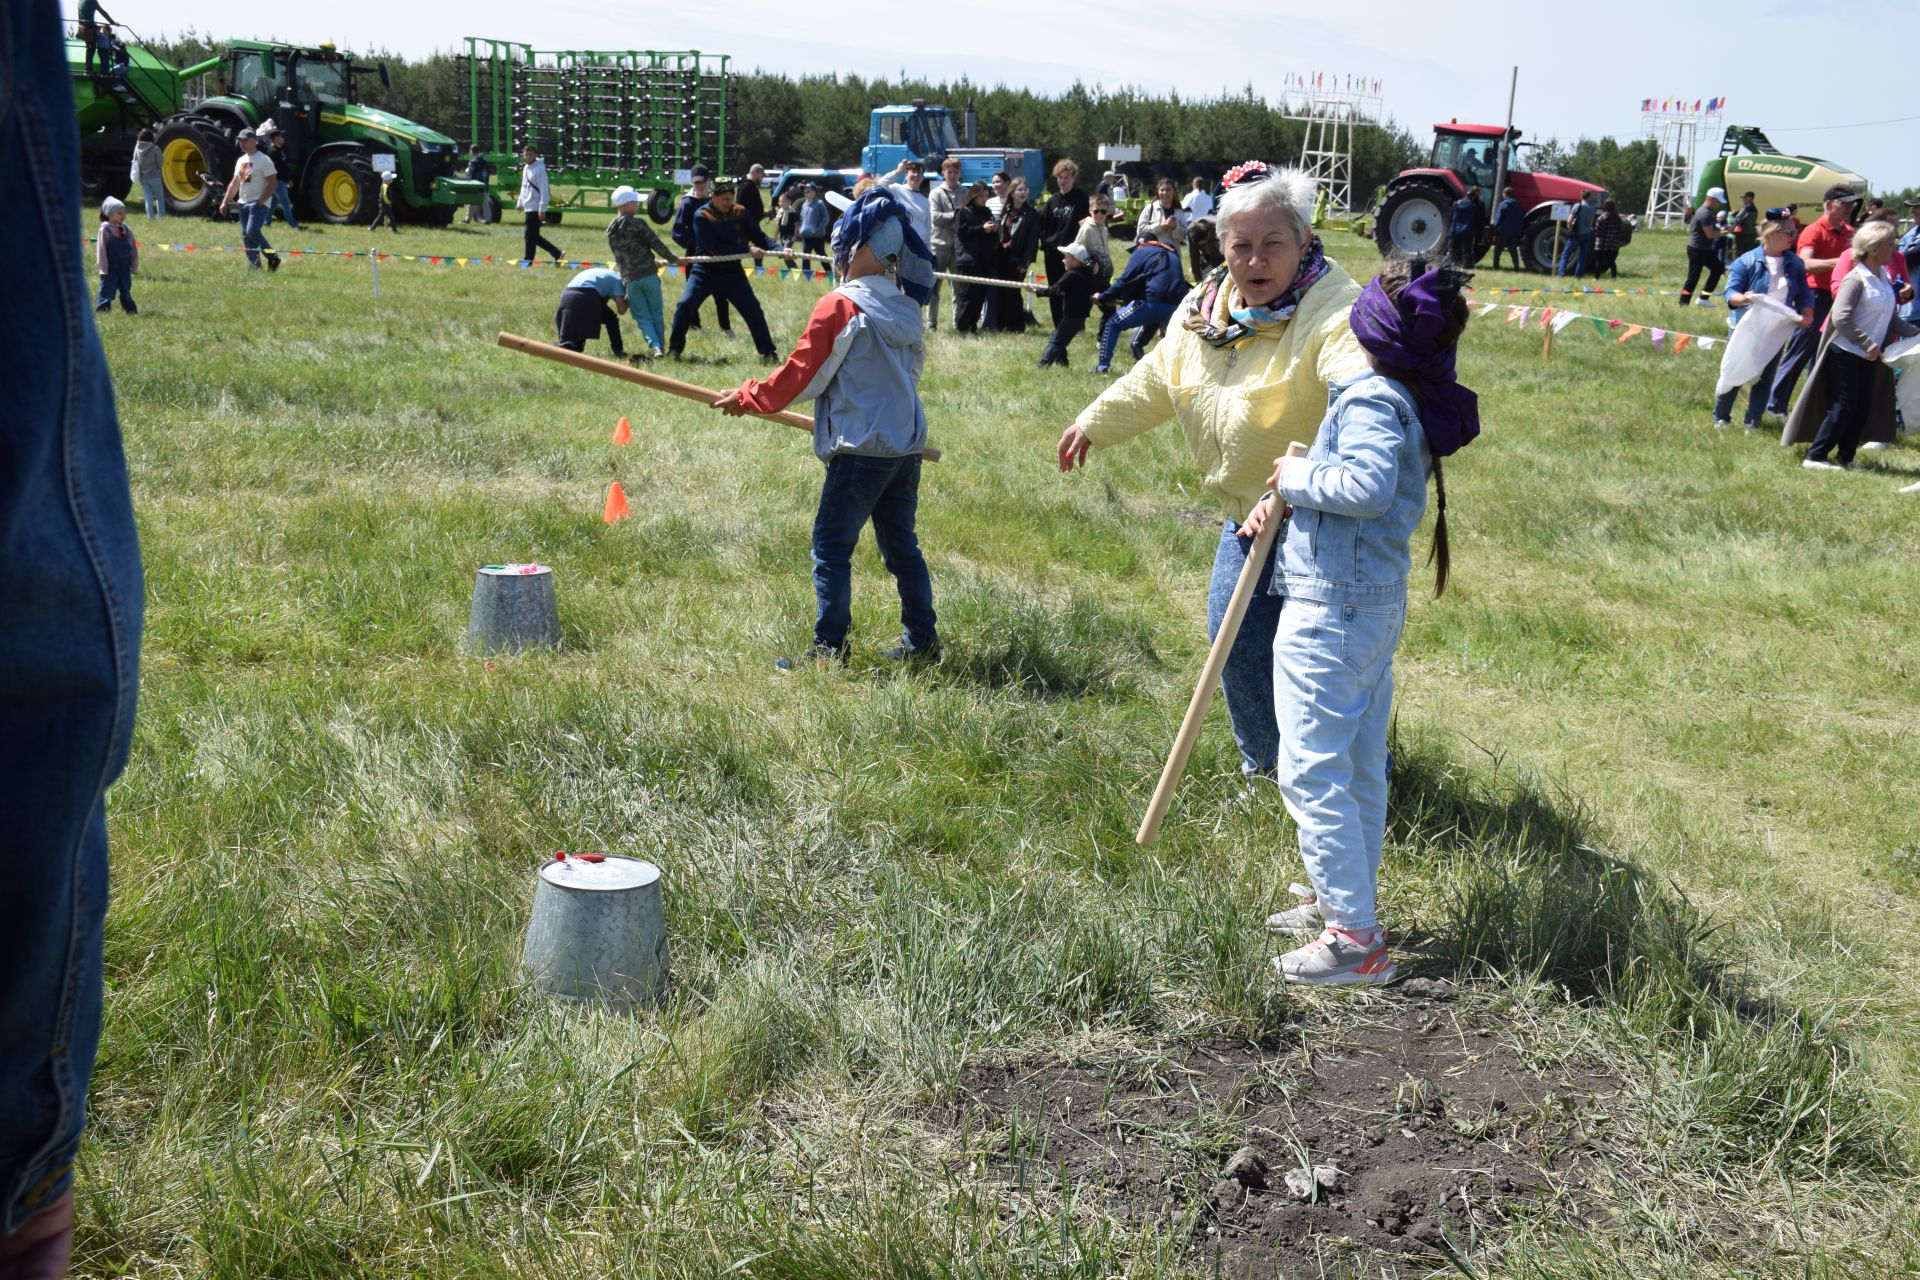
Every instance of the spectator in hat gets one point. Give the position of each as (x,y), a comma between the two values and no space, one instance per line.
(816,221)
(254,179)
(721,230)
(592,303)
(1703,228)
(637,254)
(1819,245)
(1509,222)
(535,195)
(1744,224)
(976,252)
(697,195)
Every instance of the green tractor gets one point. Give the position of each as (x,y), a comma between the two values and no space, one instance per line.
(114,105)
(336,148)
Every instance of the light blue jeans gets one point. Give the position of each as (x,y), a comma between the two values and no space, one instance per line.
(649,314)
(70,601)
(1247,679)
(253,231)
(1333,696)
(153,193)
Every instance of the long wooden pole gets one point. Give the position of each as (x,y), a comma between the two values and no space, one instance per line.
(1210,674)
(652,381)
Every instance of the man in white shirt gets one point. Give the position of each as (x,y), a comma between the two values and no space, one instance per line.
(535,195)
(253,184)
(1198,203)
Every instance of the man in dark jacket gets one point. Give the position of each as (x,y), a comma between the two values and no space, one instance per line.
(682,232)
(1060,220)
(748,195)
(1148,291)
(1509,222)
(721,229)
(1463,227)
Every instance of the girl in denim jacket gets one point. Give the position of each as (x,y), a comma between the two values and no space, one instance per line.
(1356,498)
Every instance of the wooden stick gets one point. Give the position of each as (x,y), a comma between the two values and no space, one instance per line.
(653,381)
(1210,674)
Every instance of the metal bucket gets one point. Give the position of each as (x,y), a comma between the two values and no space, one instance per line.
(513,609)
(598,931)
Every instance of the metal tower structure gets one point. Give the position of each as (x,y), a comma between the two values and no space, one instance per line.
(1330,115)
(1677,127)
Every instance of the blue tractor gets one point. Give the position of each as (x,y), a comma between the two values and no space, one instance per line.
(916,131)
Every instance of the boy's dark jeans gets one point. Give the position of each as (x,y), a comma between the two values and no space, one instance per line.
(887,492)
(1850,392)
(1065,332)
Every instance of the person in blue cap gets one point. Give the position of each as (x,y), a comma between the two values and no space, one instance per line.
(859,361)
(721,229)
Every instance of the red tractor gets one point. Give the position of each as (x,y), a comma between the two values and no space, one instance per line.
(1414,211)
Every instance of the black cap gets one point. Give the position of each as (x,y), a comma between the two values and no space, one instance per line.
(699,171)
(1913,201)
(1841,191)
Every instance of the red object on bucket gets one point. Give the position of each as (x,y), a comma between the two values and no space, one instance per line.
(561,855)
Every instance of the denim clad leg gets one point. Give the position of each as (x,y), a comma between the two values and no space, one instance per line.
(1333,694)
(893,530)
(69,635)
(1799,352)
(1247,678)
(643,301)
(852,487)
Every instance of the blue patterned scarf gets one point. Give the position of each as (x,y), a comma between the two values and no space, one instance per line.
(1220,317)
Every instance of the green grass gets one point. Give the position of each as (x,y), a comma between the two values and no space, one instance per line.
(1657,780)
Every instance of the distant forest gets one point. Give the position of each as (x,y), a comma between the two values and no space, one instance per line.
(821,121)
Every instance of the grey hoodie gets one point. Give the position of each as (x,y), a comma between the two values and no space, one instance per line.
(146,159)
(866,397)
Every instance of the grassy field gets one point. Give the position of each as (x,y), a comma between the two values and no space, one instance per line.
(1654,814)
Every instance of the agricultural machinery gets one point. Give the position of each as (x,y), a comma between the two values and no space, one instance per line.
(336,148)
(925,133)
(599,119)
(1411,216)
(1749,162)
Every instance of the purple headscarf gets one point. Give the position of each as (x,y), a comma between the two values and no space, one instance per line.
(1402,334)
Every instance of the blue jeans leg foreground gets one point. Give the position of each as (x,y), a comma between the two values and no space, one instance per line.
(887,492)
(253,231)
(70,597)
(1248,677)
(1333,693)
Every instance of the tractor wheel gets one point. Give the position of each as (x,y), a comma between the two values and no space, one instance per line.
(343,189)
(1536,243)
(102,176)
(660,206)
(193,151)
(1413,220)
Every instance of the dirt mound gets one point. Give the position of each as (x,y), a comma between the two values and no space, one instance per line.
(1406,1120)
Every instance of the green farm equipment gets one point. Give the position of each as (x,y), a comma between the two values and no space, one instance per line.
(115,102)
(1749,162)
(599,119)
(336,148)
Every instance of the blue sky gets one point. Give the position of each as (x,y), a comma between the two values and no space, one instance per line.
(1583,68)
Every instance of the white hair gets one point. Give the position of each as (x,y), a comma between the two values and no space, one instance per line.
(1290,191)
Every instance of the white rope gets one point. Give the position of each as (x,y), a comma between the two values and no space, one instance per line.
(821,257)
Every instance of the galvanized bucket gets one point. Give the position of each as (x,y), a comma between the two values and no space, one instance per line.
(598,932)
(513,609)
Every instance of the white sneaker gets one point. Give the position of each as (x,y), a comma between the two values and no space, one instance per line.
(1338,959)
(1304,918)
(1721,424)
(1817,464)
(1876,444)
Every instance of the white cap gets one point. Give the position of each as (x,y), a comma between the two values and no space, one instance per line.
(1076,250)
(839,200)
(1717,193)
(625,195)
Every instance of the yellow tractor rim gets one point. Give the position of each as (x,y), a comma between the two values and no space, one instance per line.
(181,164)
(340,192)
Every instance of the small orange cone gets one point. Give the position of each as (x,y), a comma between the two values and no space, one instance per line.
(622,434)
(617,508)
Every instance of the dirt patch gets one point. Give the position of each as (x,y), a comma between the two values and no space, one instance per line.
(1405,1120)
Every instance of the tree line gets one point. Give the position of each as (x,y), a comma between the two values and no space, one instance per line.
(820,121)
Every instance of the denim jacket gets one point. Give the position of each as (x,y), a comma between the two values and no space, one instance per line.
(1359,498)
(1748,274)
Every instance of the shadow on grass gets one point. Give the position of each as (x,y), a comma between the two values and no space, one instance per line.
(1005,639)
(1529,895)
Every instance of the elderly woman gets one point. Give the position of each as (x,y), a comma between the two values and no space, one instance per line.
(1244,370)
(1849,398)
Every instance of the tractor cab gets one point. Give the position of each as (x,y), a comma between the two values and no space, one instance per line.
(1472,153)
(916,132)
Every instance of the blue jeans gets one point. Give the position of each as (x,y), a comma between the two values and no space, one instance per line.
(153,193)
(70,639)
(1799,352)
(116,280)
(253,231)
(1248,677)
(1576,255)
(643,303)
(284,204)
(887,492)
(1135,315)
(1333,695)
(1757,392)
(1063,334)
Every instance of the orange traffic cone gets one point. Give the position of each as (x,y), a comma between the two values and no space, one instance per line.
(617,508)
(622,434)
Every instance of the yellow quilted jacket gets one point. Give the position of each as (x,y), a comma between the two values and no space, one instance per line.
(1238,405)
